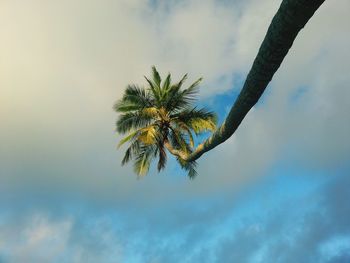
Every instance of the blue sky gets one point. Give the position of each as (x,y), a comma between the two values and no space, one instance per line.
(276,191)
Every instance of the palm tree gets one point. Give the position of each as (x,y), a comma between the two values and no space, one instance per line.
(290,18)
(160,117)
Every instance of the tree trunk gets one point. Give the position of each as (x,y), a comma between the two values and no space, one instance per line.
(290,18)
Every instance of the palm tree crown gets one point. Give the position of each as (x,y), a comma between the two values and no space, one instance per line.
(160,117)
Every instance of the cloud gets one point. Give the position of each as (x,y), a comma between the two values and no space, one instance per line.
(41,238)
(310,229)
(36,240)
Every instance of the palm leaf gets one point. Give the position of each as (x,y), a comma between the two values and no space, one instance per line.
(143,159)
(197,120)
(185,128)
(182,100)
(199,125)
(132,121)
(155,91)
(142,164)
(192,91)
(173,94)
(131,136)
(162,156)
(179,141)
(134,98)
(179,84)
(132,150)
(166,84)
(190,167)
(156,77)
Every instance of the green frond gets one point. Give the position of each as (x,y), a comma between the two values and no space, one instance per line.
(132,150)
(190,167)
(143,160)
(173,95)
(192,91)
(187,130)
(156,77)
(146,135)
(125,106)
(181,100)
(141,166)
(127,156)
(134,98)
(151,84)
(179,84)
(162,157)
(132,121)
(166,84)
(195,84)
(128,138)
(135,92)
(179,141)
(155,91)
(197,120)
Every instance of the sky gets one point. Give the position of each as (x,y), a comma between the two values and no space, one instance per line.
(276,191)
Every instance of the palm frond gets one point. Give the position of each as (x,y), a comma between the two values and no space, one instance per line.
(143,159)
(134,98)
(173,94)
(156,77)
(179,141)
(183,99)
(192,91)
(127,156)
(128,138)
(162,156)
(155,91)
(190,167)
(132,150)
(197,120)
(166,84)
(199,125)
(183,127)
(179,84)
(132,121)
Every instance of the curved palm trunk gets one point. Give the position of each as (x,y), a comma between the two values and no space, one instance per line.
(290,18)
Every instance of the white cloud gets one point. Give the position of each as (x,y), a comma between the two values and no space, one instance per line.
(36,241)
(40,238)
